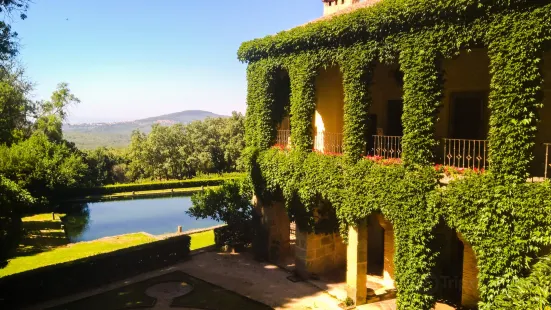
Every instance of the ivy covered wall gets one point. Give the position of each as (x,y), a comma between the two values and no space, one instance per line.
(506,220)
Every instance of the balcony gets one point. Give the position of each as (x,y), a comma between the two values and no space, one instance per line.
(458,153)
(328,143)
(387,147)
(466,154)
(283,139)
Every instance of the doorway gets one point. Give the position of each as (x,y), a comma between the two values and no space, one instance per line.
(394,118)
(448,272)
(468,119)
(375,247)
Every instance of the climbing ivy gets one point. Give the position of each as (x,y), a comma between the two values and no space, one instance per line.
(506,224)
(533,292)
(302,72)
(505,219)
(423,90)
(357,69)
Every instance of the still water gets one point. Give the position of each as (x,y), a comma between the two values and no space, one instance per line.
(93,220)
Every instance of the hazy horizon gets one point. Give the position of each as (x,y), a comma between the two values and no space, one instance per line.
(128,60)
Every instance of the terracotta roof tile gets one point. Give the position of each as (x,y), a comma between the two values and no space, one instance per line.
(349,9)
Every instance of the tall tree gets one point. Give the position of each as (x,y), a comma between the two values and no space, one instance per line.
(51,114)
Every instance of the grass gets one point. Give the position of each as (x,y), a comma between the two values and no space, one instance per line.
(41,233)
(202,240)
(74,251)
(200,177)
(44,243)
(142,194)
(203,296)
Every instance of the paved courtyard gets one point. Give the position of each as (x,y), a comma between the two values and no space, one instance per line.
(239,273)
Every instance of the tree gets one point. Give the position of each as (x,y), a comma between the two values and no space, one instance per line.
(51,114)
(12,200)
(102,164)
(230,204)
(20,6)
(15,108)
(41,166)
(213,145)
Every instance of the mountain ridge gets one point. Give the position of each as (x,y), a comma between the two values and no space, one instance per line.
(117,134)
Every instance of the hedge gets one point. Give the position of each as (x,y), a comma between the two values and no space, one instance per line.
(55,281)
(135,187)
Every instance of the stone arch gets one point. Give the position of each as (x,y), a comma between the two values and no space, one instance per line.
(455,276)
(328,119)
(281,107)
(361,285)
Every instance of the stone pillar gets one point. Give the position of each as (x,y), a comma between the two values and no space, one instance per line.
(316,254)
(356,263)
(302,74)
(388,267)
(304,252)
(469,286)
(278,225)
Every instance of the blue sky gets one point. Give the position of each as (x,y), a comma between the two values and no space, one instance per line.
(129,59)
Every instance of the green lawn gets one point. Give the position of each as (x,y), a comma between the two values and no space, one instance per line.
(44,243)
(202,239)
(72,252)
(159,192)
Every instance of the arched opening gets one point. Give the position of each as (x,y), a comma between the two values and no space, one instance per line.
(380,258)
(541,167)
(375,247)
(448,273)
(384,123)
(282,108)
(455,275)
(464,116)
(329,114)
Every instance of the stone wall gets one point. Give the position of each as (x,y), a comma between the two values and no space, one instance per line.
(317,254)
(277,223)
(356,264)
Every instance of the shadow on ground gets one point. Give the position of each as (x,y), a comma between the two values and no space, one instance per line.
(204,295)
(40,237)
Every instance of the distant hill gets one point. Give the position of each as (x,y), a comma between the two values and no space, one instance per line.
(117,134)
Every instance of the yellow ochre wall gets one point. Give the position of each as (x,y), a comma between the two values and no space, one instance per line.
(329,112)
(467,73)
(384,88)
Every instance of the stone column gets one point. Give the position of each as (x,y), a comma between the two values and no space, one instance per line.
(469,284)
(356,263)
(423,89)
(277,223)
(357,75)
(302,73)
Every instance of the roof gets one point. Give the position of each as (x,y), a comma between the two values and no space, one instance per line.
(374,20)
(348,9)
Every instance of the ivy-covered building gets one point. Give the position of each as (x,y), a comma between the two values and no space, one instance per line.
(408,141)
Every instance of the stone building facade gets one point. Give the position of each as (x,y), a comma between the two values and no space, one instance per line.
(462,129)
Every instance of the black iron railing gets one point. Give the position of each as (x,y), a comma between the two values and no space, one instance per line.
(328,142)
(464,153)
(387,146)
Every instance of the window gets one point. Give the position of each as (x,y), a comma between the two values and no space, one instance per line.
(468,116)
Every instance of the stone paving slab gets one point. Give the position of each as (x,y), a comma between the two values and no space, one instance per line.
(239,273)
